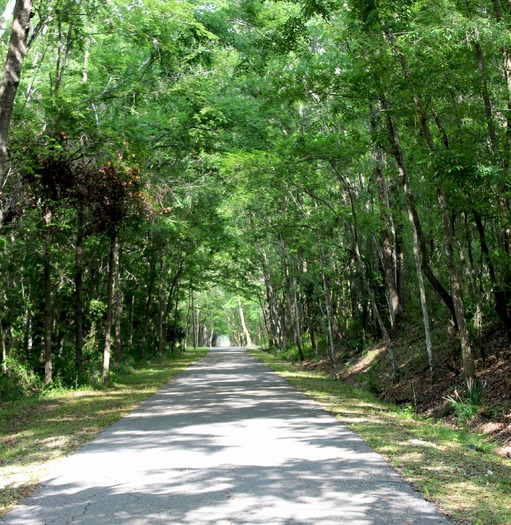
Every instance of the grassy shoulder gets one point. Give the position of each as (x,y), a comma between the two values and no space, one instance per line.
(36,431)
(455,468)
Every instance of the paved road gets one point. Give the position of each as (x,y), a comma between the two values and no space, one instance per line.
(227,442)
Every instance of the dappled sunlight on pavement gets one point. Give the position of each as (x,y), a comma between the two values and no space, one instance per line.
(226,442)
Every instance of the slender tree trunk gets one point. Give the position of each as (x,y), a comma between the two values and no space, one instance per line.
(48,365)
(176,320)
(28,339)
(12,75)
(194,322)
(187,317)
(474,278)
(272,311)
(149,299)
(132,322)
(328,306)
(457,301)
(502,297)
(4,347)
(374,306)
(248,339)
(171,302)
(298,322)
(488,111)
(112,263)
(412,210)
(506,154)
(399,265)
(199,325)
(293,314)
(117,311)
(395,306)
(161,313)
(314,342)
(466,346)
(86,54)
(423,300)
(79,294)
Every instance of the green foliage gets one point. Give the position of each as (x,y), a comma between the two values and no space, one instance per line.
(466,405)
(243,150)
(17,380)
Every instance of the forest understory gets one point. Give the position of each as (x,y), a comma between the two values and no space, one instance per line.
(415,389)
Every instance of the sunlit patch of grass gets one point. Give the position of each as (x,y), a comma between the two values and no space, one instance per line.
(455,468)
(35,431)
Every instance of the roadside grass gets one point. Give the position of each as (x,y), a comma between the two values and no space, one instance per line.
(455,468)
(36,431)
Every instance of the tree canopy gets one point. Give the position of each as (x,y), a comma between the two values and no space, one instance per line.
(309,174)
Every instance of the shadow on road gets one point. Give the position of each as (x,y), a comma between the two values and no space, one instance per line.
(227,442)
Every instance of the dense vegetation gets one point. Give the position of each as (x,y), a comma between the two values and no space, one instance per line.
(311,173)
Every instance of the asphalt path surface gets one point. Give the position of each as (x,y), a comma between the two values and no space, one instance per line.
(226,442)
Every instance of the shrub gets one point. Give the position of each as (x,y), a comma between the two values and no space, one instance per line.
(17,380)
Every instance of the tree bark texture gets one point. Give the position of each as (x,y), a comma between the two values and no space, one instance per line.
(12,75)
(117,312)
(79,294)
(248,339)
(412,209)
(161,310)
(48,365)
(113,261)
(466,346)
(396,308)
(328,306)
(149,298)
(362,267)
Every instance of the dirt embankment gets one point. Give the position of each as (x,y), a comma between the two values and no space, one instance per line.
(428,397)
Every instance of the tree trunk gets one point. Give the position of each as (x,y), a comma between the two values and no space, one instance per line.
(170,303)
(362,267)
(248,339)
(328,306)
(132,321)
(117,311)
(161,313)
(63,50)
(176,320)
(395,306)
(187,317)
(275,337)
(423,301)
(298,322)
(506,154)
(4,348)
(502,297)
(79,294)
(48,366)
(466,346)
(457,301)
(12,74)
(293,314)
(397,152)
(194,323)
(456,297)
(488,111)
(149,298)
(112,263)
